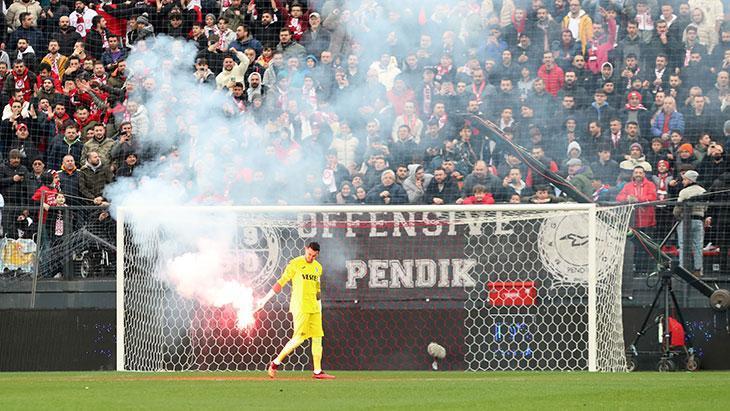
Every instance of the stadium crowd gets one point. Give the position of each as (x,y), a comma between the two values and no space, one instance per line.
(621,97)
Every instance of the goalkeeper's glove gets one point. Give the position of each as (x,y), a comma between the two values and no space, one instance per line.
(262,302)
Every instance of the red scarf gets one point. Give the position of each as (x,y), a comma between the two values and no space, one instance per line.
(410,121)
(667,119)
(22,82)
(80,27)
(518,25)
(478,93)
(636,108)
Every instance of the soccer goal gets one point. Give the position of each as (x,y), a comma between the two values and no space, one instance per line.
(502,287)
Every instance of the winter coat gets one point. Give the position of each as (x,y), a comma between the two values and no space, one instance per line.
(415,193)
(93,180)
(582,181)
(491,182)
(676,122)
(688,192)
(69,184)
(449,192)
(631,163)
(398,194)
(585,28)
(60,148)
(643,191)
(103,148)
(235,75)
(14,192)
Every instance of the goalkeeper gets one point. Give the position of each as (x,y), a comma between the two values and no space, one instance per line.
(305,273)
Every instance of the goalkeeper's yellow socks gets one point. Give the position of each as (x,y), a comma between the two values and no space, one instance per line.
(317,354)
(288,349)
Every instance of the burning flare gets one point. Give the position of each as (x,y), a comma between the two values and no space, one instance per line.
(208,277)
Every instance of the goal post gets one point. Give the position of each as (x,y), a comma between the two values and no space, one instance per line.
(502,287)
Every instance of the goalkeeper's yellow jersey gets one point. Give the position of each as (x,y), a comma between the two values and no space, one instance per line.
(305,285)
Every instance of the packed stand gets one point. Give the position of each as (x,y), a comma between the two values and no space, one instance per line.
(373,102)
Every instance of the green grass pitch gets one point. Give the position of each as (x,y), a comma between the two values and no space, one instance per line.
(364,390)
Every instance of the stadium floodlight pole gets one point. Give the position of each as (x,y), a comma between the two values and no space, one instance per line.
(120,289)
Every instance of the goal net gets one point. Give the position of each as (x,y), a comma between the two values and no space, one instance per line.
(500,287)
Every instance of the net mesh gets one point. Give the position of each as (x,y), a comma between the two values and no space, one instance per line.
(501,290)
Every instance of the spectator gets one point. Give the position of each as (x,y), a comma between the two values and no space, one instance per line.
(416,183)
(26,148)
(657,152)
(232,72)
(13,187)
(600,110)
(93,177)
(404,150)
(579,24)
(480,196)
(387,192)
(580,176)
(542,196)
(552,75)
(67,145)
(66,35)
(99,144)
(635,159)
(713,165)
(27,31)
(641,190)
(442,189)
(268,27)
(513,184)
(128,165)
(699,118)
(97,39)
(345,195)
(82,18)
(69,180)
(605,167)
(668,119)
(696,225)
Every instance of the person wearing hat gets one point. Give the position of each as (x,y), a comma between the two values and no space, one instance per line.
(635,159)
(141,30)
(580,176)
(641,190)
(315,39)
(685,155)
(27,149)
(696,224)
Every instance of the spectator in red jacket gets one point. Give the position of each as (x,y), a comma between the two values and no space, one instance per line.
(640,190)
(480,196)
(551,74)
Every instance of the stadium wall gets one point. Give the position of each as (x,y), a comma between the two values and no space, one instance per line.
(75,340)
